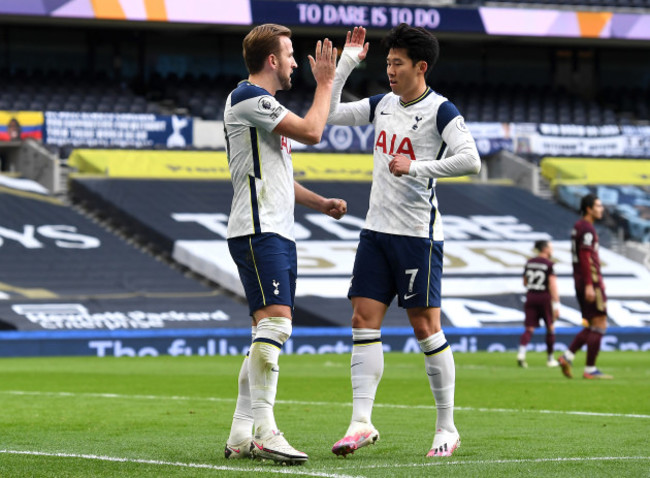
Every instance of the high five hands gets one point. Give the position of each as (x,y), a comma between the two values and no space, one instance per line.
(323,66)
(355,39)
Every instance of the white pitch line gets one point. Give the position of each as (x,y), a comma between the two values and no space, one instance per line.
(288,471)
(205,466)
(504,462)
(325,404)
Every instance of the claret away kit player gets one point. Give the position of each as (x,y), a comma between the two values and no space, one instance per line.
(590,289)
(542,301)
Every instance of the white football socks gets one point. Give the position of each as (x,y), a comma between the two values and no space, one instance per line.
(366,369)
(263,371)
(521,354)
(569,355)
(439,364)
(242,419)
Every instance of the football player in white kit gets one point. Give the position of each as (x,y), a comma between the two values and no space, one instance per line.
(260,227)
(419,136)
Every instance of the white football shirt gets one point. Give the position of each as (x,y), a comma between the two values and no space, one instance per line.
(260,164)
(422,130)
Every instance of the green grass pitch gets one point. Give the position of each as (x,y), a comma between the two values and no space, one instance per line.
(170,417)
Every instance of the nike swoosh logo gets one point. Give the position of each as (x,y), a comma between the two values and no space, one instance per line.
(384,113)
(433,374)
(355,364)
(408,296)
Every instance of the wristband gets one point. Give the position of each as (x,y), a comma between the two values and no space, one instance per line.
(556,305)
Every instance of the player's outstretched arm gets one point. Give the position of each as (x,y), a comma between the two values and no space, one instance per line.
(333,207)
(354,52)
(354,43)
(309,129)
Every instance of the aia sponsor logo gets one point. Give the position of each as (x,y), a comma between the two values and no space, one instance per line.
(394,145)
(286,144)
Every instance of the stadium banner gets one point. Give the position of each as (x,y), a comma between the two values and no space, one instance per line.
(492,137)
(638,140)
(350,14)
(332,167)
(122,130)
(303,341)
(183,11)
(151,164)
(579,140)
(212,165)
(524,22)
(349,139)
(596,146)
(20,125)
(596,171)
(191,311)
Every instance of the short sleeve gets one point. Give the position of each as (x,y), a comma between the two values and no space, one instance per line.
(262,111)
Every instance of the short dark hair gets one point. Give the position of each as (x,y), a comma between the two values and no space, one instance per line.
(541,245)
(586,202)
(262,41)
(420,44)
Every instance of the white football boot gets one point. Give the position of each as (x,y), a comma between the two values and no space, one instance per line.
(275,447)
(444,443)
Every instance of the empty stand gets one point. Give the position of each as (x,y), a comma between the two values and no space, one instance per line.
(71,267)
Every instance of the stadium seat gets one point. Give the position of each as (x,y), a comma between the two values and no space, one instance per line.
(53,105)
(210,112)
(137,108)
(152,108)
(19,105)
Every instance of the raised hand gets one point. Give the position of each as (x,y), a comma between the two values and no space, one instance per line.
(323,67)
(356,39)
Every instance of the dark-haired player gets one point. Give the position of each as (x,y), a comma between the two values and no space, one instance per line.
(400,247)
(542,301)
(590,289)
